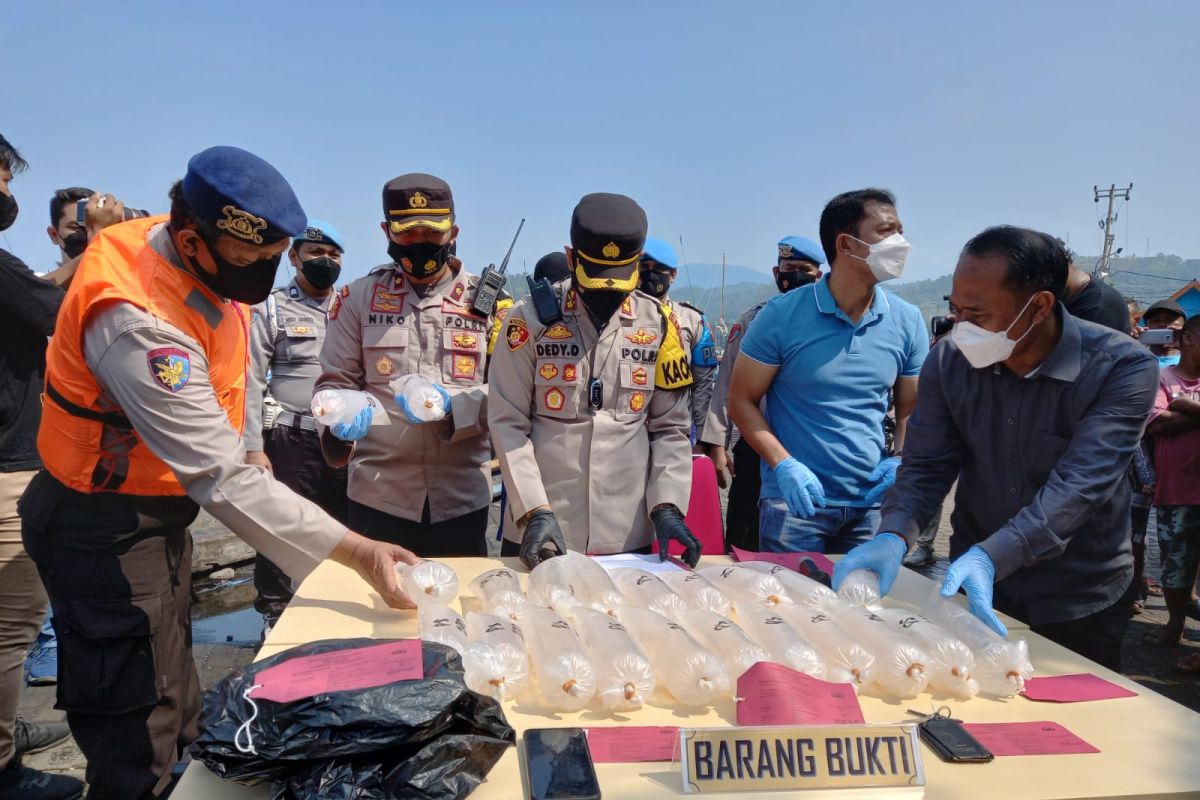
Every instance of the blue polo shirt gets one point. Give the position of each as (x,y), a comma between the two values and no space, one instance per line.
(828,400)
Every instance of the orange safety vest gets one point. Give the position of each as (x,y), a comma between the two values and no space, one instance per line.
(91,448)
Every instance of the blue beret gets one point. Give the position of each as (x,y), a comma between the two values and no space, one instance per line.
(321,232)
(660,251)
(797,247)
(244,196)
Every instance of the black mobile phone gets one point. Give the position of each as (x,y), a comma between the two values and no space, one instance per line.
(81,211)
(559,765)
(950,740)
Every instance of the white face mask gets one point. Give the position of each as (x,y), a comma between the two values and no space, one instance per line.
(887,256)
(983,347)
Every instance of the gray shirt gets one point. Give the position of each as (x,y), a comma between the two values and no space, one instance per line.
(1041,467)
(292,355)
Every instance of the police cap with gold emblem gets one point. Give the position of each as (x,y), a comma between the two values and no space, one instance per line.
(608,232)
(242,195)
(418,200)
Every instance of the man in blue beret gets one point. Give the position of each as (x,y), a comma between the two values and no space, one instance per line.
(798,263)
(656,273)
(142,425)
(281,432)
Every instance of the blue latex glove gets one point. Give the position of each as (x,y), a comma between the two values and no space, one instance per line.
(353,431)
(975,573)
(881,555)
(883,476)
(800,488)
(413,419)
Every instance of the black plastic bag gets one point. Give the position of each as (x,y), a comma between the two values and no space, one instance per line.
(434,736)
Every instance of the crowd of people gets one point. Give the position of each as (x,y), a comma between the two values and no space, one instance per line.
(158,369)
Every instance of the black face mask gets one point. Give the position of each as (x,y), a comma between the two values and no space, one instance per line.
(75,244)
(790,279)
(249,284)
(654,282)
(322,272)
(601,304)
(8,211)
(421,260)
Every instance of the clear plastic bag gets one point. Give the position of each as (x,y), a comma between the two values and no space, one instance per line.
(550,587)
(724,638)
(624,677)
(428,580)
(565,674)
(443,625)
(341,406)
(783,642)
(747,586)
(698,592)
(846,660)
(951,662)
(590,582)
(800,588)
(861,587)
(495,662)
(646,590)
(499,592)
(693,675)
(901,668)
(424,401)
(1001,666)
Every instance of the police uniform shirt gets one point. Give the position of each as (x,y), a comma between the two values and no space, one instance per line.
(600,470)
(717,428)
(185,426)
(381,328)
(292,356)
(698,343)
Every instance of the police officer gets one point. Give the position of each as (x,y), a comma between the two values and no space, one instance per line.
(142,422)
(425,485)
(657,272)
(589,408)
(798,264)
(281,434)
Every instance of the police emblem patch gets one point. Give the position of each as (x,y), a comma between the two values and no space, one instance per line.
(242,224)
(548,371)
(555,399)
(457,292)
(466,341)
(464,367)
(418,200)
(570,373)
(558,331)
(627,307)
(734,333)
(637,401)
(641,337)
(516,333)
(170,368)
(572,300)
(384,366)
(336,307)
(611,250)
(640,376)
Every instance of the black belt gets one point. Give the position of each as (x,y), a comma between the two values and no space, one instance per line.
(113,419)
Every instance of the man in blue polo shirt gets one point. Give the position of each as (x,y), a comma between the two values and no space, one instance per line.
(826,356)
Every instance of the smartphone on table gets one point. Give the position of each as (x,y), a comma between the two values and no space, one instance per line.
(559,765)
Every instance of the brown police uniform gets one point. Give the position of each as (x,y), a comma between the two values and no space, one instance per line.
(380,328)
(600,470)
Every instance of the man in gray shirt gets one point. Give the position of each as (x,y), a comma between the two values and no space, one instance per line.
(1036,414)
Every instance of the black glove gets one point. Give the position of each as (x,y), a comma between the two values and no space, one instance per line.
(543,538)
(668,525)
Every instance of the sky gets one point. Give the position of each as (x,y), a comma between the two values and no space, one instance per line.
(730,123)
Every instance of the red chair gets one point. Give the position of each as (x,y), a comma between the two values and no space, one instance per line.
(704,510)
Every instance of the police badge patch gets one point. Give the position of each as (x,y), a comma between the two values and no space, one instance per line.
(516,333)
(169,367)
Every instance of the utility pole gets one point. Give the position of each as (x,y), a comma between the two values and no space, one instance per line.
(1101,268)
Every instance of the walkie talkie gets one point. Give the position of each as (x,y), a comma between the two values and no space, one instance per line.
(545,300)
(492,281)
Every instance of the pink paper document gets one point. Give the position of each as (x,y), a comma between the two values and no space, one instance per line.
(789,560)
(1073,689)
(341,671)
(1028,738)
(631,744)
(772,694)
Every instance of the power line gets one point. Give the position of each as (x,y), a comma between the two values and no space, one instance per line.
(1111,193)
(1148,275)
